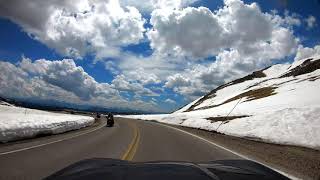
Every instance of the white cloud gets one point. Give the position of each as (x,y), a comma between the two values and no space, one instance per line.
(311,21)
(170,101)
(288,19)
(64,81)
(111,66)
(121,83)
(305,52)
(66,75)
(190,31)
(177,80)
(149,5)
(199,33)
(241,36)
(16,83)
(154,101)
(229,64)
(76,28)
(141,75)
(200,79)
(149,70)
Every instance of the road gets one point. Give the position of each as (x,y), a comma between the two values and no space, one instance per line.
(131,140)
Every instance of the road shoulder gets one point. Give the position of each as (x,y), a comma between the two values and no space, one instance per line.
(299,162)
(9,147)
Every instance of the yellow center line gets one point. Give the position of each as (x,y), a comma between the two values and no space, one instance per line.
(131,151)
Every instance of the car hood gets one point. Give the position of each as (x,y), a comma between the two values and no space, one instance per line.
(101,168)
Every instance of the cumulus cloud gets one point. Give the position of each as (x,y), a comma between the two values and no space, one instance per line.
(153,69)
(292,19)
(305,52)
(64,81)
(111,66)
(199,32)
(240,36)
(150,5)
(177,80)
(76,28)
(196,81)
(121,83)
(16,83)
(228,65)
(67,76)
(170,101)
(311,21)
(189,31)
(142,76)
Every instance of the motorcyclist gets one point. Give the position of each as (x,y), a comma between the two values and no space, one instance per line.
(110,120)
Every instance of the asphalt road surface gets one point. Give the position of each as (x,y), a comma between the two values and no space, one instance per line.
(129,139)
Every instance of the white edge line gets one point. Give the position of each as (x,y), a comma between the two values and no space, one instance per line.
(236,153)
(52,142)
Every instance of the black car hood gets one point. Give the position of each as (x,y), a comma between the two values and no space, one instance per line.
(114,169)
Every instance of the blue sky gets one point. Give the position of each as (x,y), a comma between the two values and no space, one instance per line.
(152,63)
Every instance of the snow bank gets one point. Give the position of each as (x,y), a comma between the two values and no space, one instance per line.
(19,123)
(290,126)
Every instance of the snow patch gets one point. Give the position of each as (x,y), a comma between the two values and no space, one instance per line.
(20,123)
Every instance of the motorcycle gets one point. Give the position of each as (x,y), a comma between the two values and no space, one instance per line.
(110,121)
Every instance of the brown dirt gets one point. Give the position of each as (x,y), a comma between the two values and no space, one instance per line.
(312,78)
(259,93)
(224,118)
(306,67)
(251,95)
(286,82)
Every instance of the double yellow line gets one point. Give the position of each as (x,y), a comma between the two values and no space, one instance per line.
(133,146)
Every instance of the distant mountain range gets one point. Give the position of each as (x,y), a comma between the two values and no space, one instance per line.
(62,106)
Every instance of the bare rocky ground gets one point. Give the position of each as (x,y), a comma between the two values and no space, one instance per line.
(300,162)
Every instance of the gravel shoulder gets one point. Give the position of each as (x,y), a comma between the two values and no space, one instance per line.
(300,162)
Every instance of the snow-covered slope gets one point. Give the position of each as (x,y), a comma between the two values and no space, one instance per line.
(19,123)
(279,104)
(184,108)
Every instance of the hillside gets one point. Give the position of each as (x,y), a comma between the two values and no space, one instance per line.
(278,104)
(281,85)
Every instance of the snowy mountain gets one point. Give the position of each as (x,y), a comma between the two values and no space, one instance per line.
(278,86)
(279,104)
